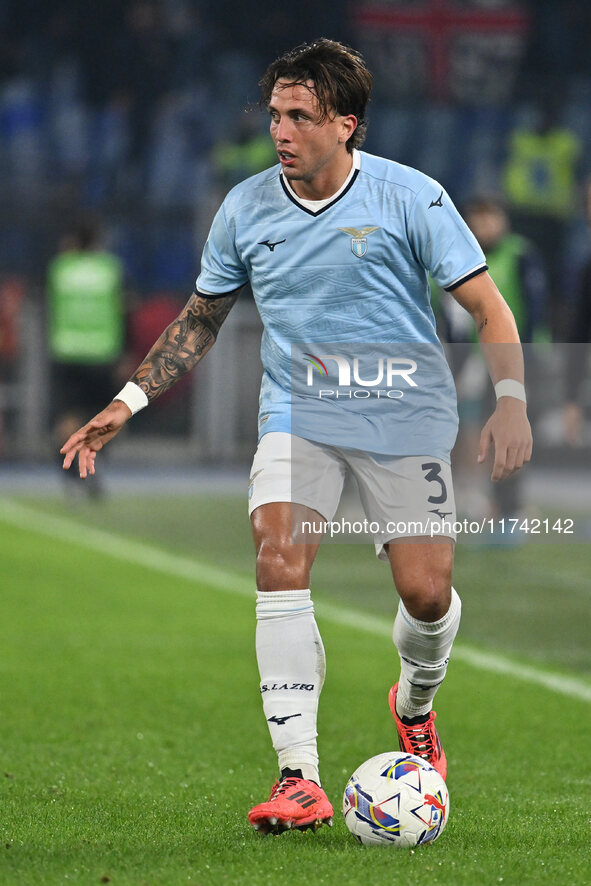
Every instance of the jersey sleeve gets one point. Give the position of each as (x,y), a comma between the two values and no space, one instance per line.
(441,239)
(222,271)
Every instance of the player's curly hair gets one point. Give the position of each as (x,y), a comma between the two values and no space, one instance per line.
(342,83)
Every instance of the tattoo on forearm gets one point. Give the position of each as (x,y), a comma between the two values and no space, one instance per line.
(483,324)
(183,343)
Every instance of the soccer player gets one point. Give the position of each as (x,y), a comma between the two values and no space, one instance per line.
(337,245)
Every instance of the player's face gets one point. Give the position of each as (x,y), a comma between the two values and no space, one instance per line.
(310,149)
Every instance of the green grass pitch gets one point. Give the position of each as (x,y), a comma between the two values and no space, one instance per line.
(131,732)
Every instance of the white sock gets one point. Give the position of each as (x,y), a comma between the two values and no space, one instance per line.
(292,665)
(424,648)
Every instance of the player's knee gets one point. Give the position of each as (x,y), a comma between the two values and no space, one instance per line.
(281,567)
(426,598)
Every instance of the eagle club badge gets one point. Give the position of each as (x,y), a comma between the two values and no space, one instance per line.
(359,238)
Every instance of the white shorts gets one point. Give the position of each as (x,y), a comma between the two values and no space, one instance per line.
(402,496)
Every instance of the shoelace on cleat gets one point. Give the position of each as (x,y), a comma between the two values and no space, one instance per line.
(420,739)
(280,787)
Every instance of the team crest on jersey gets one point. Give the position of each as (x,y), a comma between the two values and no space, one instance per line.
(359,239)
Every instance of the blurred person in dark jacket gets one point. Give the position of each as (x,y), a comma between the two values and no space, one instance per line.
(516,266)
(577,357)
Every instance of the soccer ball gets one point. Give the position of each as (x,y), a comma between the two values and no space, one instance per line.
(396,799)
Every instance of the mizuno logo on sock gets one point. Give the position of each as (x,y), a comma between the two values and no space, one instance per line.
(281,721)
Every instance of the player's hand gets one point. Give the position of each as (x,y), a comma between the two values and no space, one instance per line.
(509,431)
(91,438)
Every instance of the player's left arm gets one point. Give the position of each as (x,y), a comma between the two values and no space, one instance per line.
(508,428)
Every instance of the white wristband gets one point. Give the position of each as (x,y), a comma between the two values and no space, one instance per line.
(509,387)
(133,397)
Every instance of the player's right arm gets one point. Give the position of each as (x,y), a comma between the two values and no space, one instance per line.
(180,347)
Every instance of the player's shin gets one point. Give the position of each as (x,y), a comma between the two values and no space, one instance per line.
(291,663)
(424,649)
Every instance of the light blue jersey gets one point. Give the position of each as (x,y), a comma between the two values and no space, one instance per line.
(343,284)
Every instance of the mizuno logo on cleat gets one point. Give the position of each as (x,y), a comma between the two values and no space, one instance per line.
(281,721)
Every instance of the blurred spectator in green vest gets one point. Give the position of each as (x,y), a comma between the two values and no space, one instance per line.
(86,326)
(541,185)
(249,152)
(516,266)
(514,263)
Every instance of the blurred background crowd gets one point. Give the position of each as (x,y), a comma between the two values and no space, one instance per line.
(122,126)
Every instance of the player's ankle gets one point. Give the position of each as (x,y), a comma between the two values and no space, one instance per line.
(415,719)
(412,713)
(303,770)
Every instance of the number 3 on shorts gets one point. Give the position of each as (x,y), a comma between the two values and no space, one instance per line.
(432,471)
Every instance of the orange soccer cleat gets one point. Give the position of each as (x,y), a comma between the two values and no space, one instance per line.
(419,736)
(294,803)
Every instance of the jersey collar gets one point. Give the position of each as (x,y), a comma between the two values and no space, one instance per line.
(315,207)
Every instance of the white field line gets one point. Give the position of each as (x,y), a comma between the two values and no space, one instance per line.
(144,555)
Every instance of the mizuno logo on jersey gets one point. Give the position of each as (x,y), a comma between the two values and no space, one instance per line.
(359,239)
(437,202)
(271,245)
